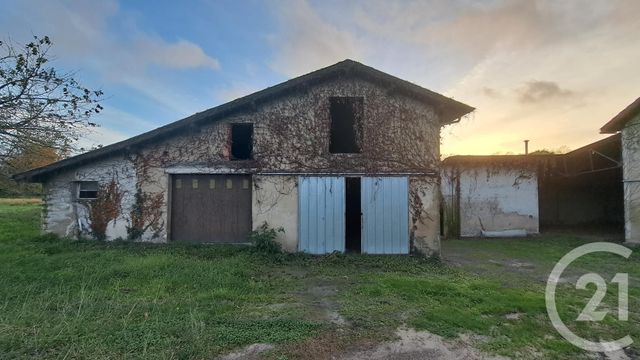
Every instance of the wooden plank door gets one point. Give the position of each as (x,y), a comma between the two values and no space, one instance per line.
(211,208)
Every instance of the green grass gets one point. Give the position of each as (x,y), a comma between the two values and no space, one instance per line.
(84,299)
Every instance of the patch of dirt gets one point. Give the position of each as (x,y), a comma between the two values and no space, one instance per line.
(328,344)
(513,316)
(515,268)
(421,345)
(616,355)
(320,298)
(251,352)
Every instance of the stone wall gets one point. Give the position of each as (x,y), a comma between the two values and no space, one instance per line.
(67,215)
(631,178)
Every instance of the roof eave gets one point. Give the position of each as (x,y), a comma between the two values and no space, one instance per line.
(622,118)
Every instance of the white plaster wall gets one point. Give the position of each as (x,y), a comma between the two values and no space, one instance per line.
(631,178)
(275,201)
(498,199)
(59,215)
(424,211)
(66,215)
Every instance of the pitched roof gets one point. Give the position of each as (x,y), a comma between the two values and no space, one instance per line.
(620,120)
(610,144)
(450,110)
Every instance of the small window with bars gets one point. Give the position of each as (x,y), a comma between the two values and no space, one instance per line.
(87,189)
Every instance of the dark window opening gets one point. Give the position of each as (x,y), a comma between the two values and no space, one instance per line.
(241,141)
(87,190)
(346,124)
(353,216)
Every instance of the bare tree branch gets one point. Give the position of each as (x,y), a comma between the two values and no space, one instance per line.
(39,106)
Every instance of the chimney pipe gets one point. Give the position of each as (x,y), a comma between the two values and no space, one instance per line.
(526,147)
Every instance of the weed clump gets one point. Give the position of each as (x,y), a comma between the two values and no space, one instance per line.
(264,239)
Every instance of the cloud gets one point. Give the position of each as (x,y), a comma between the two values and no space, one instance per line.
(135,56)
(306,42)
(235,91)
(101,136)
(475,29)
(179,55)
(489,92)
(539,91)
(589,55)
(97,36)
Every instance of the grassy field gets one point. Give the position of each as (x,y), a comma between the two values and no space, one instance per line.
(70,299)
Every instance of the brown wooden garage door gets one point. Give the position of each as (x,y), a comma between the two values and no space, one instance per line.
(211,208)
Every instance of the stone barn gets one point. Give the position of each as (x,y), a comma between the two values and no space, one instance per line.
(627,122)
(345,158)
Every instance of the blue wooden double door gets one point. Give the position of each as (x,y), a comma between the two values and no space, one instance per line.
(360,214)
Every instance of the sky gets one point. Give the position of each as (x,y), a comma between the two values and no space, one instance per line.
(552,72)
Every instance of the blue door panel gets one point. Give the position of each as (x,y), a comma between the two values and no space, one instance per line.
(321,214)
(385,215)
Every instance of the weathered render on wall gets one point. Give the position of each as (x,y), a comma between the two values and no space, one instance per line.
(424,215)
(67,215)
(275,201)
(400,135)
(487,197)
(631,178)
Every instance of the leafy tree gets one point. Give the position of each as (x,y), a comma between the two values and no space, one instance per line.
(29,156)
(38,105)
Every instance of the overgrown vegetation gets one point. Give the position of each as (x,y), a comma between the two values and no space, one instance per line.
(264,239)
(145,213)
(88,299)
(105,208)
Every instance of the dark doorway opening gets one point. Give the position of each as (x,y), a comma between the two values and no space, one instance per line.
(353,215)
(241,141)
(346,124)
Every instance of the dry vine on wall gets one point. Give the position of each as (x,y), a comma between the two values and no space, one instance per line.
(146,213)
(105,208)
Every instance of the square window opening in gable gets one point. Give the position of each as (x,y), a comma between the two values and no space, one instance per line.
(87,190)
(346,124)
(241,141)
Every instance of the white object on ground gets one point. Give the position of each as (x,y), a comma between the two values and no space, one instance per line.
(505,233)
